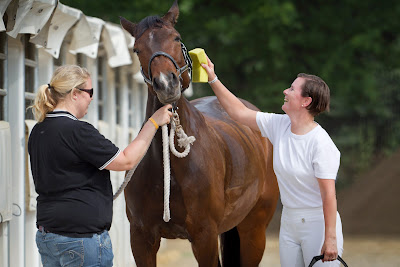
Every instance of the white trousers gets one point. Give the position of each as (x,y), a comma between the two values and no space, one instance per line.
(302,235)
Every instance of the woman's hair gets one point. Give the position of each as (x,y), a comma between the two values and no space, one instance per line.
(64,80)
(319,92)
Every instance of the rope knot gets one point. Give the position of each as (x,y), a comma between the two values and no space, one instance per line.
(183,139)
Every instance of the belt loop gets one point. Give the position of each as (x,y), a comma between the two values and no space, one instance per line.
(42,229)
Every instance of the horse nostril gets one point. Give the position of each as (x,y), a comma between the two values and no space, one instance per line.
(174,78)
(155,84)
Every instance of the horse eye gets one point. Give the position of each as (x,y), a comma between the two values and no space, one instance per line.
(136,51)
(178,39)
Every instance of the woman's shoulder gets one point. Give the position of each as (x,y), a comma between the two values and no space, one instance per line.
(78,125)
(323,139)
(273,117)
(321,134)
(281,121)
(84,127)
(274,121)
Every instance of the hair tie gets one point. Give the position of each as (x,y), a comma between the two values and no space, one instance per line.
(49,86)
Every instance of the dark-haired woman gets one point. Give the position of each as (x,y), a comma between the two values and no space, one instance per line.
(306,162)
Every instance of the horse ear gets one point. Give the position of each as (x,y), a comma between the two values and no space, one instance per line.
(172,15)
(127,25)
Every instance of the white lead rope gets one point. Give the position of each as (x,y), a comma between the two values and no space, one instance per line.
(128,177)
(168,142)
(183,141)
(167,173)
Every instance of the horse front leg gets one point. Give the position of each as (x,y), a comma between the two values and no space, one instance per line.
(205,247)
(144,247)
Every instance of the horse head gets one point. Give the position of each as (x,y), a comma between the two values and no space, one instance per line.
(163,57)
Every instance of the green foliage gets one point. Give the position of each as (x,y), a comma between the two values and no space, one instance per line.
(259,46)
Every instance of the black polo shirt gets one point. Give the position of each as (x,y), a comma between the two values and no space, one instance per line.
(68,157)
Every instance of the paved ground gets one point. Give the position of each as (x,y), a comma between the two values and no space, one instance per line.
(359,252)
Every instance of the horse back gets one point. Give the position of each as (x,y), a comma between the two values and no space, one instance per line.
(210,107)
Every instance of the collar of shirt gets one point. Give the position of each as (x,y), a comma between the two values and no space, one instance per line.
(60,113)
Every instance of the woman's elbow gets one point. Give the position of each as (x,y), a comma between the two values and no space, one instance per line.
(121,163)
(128,166)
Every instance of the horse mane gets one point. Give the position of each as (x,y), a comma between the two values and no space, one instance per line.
(146,23)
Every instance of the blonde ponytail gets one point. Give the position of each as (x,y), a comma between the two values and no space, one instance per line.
(44,102)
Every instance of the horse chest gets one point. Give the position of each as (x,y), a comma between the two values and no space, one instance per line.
(173,231)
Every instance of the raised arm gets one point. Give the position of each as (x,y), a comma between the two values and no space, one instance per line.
(134,152)
(233,106)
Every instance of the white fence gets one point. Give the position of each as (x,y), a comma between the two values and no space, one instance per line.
(38,36)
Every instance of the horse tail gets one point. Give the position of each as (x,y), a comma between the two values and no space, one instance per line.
(230,248)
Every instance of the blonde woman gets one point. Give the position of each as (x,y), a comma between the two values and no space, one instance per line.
(306,162)
(70,163)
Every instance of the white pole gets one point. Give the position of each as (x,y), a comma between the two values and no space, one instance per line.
(4,240)
(16,72)
(93,112)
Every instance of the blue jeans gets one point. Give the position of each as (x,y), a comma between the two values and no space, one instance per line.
(62,251)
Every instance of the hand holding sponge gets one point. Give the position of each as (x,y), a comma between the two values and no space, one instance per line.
(199,74)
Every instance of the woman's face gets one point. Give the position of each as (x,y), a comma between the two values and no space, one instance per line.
(293,100)
(84,99)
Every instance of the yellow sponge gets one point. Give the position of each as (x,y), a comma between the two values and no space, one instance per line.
(199,74)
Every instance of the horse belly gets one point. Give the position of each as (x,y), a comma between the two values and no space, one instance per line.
(239,202)
(245,176)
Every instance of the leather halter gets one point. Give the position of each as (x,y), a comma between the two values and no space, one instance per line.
(180,70)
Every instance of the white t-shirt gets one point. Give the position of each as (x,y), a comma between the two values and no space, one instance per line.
(299,160)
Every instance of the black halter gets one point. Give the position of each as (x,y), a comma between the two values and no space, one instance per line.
(180,70)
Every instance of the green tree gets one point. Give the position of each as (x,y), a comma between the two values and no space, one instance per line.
(259,46)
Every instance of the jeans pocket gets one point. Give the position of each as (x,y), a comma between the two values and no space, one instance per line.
(107,254)
(105,240)
(41,247)
(71,253)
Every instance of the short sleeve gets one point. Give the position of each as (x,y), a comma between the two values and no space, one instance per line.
(94,147)
(271,124)
(263,120)
(326,161)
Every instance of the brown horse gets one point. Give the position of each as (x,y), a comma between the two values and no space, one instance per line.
(225,186)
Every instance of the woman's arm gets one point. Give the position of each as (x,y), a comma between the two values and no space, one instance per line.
(233,106)
(134,152)
(328,195)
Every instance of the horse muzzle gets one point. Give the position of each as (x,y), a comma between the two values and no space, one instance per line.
(167,87)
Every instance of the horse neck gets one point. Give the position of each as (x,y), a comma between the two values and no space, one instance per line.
(152,105)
